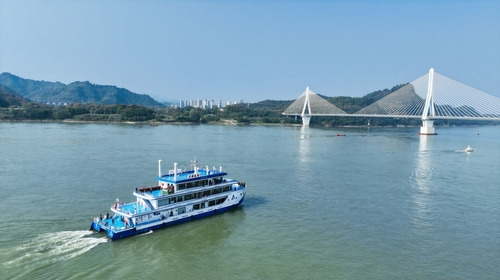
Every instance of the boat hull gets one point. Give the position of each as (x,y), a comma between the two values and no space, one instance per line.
(119,234)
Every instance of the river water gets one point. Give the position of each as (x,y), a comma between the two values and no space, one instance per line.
(378,203)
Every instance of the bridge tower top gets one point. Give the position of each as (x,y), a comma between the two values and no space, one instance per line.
(310,104)
(307,104)
(429,100)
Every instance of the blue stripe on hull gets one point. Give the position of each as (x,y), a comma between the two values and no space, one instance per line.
(133,231)
(122,234)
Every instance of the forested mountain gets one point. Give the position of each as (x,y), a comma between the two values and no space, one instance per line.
(76,92)
(8,98)
(352,104)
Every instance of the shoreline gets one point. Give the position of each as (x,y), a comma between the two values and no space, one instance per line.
(224,122)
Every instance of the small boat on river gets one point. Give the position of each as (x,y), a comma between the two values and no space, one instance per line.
(469,149)
(180,196)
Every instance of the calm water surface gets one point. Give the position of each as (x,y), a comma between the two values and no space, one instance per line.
(379,203)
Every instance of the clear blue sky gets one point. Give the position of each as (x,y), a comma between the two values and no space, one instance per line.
(251,50)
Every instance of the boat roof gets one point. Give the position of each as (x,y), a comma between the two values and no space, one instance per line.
(189,176)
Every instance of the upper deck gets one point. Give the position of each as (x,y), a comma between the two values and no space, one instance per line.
(179,176)
(179,181)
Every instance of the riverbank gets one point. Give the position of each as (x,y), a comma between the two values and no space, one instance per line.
(229,123)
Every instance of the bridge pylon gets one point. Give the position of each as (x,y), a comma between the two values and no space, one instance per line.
(306,117)
(429,112)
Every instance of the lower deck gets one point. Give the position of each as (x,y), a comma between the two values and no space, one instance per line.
(132,208)
(116,222)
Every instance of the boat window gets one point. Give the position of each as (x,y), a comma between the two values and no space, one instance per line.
(181,210)
(162,202)
(196,206)
(215,191)
(221,200)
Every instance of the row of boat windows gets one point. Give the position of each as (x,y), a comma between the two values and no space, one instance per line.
(200,183)
(190,196)
(182,210)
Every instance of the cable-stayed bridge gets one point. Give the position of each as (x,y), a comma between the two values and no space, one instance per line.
(430,97)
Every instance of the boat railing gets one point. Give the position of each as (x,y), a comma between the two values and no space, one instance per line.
(149,189)
(173,171)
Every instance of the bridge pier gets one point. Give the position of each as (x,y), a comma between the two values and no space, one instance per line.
(427,127)
(429,112)
(305,120)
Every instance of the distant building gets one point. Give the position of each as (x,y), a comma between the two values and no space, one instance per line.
(205,103)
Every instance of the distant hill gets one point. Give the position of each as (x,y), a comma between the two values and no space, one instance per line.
(273,105)
(170,102)
(76,92)
(353,104)
(346,103)
(8,98)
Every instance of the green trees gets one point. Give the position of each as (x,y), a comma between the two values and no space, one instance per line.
(116,113)
(13,107)
(136,113)
(241,114)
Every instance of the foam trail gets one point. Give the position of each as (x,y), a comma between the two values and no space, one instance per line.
(53,247)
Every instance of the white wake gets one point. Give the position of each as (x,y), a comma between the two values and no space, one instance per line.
(53,247)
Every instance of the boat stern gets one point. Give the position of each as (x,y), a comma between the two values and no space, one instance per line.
(96,226)
(115,227)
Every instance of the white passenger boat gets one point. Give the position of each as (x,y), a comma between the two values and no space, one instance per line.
(181,195)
